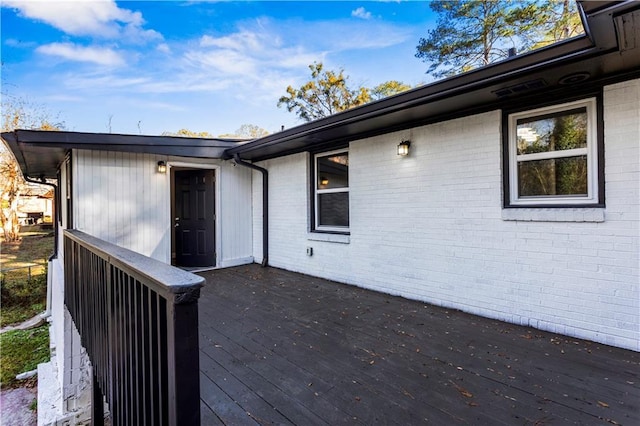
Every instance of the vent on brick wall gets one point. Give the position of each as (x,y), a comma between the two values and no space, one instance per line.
(520,88)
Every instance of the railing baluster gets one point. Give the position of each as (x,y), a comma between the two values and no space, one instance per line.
(155,379)
(162,362)
(138,322)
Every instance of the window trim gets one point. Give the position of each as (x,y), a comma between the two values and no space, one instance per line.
(316,192)
(594,152)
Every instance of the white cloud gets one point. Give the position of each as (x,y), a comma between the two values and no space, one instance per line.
(70,51)
(259,60)
(250,66)
(361,13)
(163,48)
(348,35)
(86,18)
(63,98)
(248,51)
(12,42)
(101,81)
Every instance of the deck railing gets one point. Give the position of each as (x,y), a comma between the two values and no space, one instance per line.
(138,321)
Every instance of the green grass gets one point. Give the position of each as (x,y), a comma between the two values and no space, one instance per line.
(22,350)
(23,296)
(35,247)
(23,292)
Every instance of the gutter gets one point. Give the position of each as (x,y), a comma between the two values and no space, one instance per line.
(265,206)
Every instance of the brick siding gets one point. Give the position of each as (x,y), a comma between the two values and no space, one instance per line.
(431,227)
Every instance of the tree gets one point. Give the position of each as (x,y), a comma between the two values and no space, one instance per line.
(186,133)
(246,131)
(17,113)
(474,33)
(327,93)
(10,185)
(251,131)
(388,88)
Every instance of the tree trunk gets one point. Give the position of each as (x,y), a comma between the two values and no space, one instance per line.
(9,197)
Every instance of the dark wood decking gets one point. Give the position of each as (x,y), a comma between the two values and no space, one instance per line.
(283,348)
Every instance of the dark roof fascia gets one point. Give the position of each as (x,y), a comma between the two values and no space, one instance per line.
(40,152)
(10,141)
(599,39)
(46,165)
(100,140)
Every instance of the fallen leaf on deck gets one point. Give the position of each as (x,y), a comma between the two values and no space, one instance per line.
(603,404)
(406,393)
(465,393)
(462,390)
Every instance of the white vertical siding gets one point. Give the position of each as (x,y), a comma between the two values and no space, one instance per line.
(234,220)
(120,198)
(430,226)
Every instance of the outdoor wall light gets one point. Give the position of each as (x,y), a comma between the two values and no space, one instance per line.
(162,167)
(324,181)
(403,148)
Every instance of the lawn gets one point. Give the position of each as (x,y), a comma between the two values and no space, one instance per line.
(23,293)
(23,278)
(22,350)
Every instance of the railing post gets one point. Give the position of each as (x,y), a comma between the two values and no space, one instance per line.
(97,404)
(183,337)
(138,319)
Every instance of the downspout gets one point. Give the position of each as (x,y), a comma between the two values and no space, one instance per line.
(54,220)
(55,213)
(265,206)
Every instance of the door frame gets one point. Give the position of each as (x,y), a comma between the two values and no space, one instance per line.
(194,166)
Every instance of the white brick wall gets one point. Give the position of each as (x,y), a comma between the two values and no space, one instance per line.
(430,227)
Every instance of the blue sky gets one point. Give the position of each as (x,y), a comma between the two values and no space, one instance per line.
(155,66)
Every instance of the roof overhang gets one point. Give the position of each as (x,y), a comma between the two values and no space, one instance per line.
(608,52)
(39,153)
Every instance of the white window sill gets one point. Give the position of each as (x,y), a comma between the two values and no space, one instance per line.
(554,215)
(330,238)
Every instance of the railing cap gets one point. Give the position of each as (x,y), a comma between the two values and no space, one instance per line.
(168,278)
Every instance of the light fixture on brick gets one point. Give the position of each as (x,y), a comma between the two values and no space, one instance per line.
(403,148)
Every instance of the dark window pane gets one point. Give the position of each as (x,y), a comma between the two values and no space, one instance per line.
(555,132)
(558,176)
(333,171)
(333,209)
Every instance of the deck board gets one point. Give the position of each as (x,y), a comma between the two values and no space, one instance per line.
(284,348)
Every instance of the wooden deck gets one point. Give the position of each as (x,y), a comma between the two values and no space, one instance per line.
(278,347)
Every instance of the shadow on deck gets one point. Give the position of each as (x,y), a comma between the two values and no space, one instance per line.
(278,347)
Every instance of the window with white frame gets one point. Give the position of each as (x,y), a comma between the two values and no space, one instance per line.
(331,188)
(553,156)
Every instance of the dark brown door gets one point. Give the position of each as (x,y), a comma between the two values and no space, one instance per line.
(194,219)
